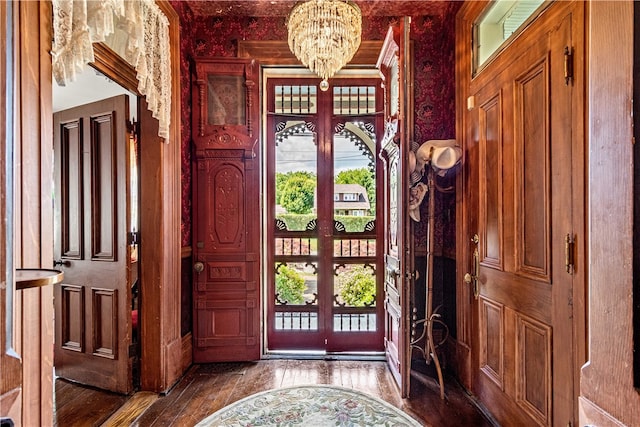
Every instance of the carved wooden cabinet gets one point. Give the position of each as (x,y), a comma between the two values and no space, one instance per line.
(226,211)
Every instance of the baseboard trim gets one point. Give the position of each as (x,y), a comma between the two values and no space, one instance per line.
(591,414)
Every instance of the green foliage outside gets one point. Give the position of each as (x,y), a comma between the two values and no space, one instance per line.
(364,177)
(357,286)
(296,222)
(297,195)
(354,223)
(290,285)
(282,178)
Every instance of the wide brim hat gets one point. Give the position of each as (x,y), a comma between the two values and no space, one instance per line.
(442,154)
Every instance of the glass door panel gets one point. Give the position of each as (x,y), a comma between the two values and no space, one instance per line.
(324,289)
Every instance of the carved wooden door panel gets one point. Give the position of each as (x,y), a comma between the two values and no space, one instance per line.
(398,255)
(526,121)
(226,212)
(92,304)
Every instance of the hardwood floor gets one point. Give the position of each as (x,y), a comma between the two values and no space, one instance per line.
(80,406)
(206,388)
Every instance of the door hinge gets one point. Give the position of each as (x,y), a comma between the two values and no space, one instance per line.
(569,251)
(133,237)
(568,65)
(132,126)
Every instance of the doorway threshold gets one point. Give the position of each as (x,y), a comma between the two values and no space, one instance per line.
(324,355)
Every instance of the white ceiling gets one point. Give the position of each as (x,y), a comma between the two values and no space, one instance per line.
(89,86)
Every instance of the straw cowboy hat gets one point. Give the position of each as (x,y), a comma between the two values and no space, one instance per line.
(443,154)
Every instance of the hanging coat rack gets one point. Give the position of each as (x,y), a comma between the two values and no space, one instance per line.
(442,156)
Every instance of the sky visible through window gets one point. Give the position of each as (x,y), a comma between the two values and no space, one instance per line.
(298,153)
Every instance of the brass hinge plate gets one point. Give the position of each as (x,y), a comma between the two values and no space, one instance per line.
(568,65)
(569,253)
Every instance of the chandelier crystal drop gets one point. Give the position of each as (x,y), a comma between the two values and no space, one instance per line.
(324,34)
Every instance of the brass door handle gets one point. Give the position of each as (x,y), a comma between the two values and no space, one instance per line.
(472,278)
(198,267)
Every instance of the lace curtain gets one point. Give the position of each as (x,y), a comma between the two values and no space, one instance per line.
(79,23)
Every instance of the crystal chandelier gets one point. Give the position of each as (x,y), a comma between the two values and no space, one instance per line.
(324,35)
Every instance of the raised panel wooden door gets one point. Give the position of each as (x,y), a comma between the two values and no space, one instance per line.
(92,304)
(226,212)
(398,253)
(525,117)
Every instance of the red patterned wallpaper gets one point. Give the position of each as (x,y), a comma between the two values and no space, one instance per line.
(434,88)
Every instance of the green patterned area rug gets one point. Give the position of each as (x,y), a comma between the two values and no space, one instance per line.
(310,406)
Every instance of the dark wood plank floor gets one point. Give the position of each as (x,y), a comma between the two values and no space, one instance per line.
(79,406)
(206,388)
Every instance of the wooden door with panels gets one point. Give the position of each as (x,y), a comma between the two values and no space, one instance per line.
(524,203)
(92,206)
(395,70)
(226,211)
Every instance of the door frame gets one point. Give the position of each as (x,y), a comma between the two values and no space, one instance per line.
(161,346)
(268,230)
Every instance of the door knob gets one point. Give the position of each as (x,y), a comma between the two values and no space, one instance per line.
(198,267)
(57,262)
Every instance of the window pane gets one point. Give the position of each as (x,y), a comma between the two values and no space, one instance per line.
(296,176)
(498,23)
(354,198)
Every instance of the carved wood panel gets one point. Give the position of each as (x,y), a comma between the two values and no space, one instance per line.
(72,222)
(532,171)
(492,331)
(224,326)
(533,373)
(491,187)
(104,330)
(392,307)
(221,205)
(73,315)
(104,215)
(225,96)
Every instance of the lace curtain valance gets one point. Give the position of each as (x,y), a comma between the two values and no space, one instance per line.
(79,23)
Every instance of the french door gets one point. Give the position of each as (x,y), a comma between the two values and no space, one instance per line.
(324,274)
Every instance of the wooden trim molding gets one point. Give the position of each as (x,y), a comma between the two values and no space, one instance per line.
(277,52)
(112,65)
(33,209)
(606,382)
(10,366)
(592,415)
